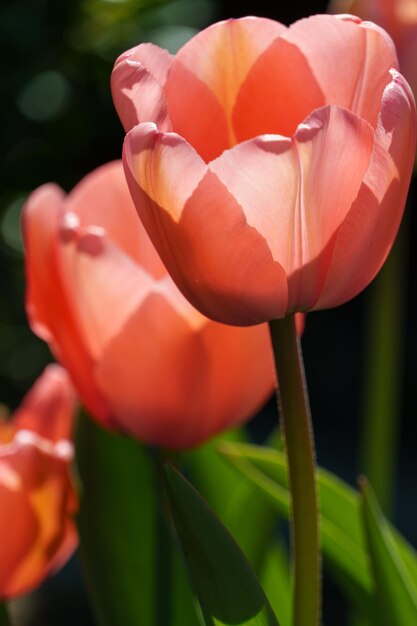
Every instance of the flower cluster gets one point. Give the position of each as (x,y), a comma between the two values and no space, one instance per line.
(269,167)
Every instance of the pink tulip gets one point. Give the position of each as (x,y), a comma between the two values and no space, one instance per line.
(399,18)
(144,361)
(37,500)
(269,165)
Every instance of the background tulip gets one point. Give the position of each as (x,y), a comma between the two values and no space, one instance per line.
(143,359)
(399,18)
(269,165)
(37,500)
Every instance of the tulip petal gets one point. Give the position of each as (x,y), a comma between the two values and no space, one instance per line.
(39,509)
(17,515)
(137,83)
(279,92)
(296,192)
(205,78)
(50,504)
(201,231)
(243,375)
(368,232)
(47,304)
(48,408)
(361,53)
(168,406)
(104,285)
(102,198)
(222,375)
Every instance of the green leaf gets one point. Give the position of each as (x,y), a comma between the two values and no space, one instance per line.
(341,530)
(116,524)
(236,503)
(343,538)
(211,473)
(276,581)
(396,591)
(4,615)
(227,588)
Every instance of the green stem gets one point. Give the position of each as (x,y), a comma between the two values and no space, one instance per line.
(299,441)
(4,615)
(385,337)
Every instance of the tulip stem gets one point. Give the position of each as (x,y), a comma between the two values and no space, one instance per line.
(385,326)
(4,615)
(299,442)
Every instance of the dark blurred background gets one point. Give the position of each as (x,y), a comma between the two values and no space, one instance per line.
(57,124)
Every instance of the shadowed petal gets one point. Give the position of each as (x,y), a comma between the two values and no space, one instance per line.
(269,100)
(296,192)
(166,408)
(242,376)
(201,231)
(350,61)
(368,232)
(206,76)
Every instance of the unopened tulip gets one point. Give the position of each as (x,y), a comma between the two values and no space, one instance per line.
(269,165)
(37,500)
(144,361)
(399,19)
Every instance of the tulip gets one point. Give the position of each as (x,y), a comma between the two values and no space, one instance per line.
(399,19)
(269,165)
(37,500)
(145,362)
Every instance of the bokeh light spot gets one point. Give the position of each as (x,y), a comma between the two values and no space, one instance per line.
(45,97)
(10,224)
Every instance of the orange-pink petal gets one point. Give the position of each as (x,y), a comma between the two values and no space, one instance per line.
(296,192)
(205,78)
(47,303)
(269,99)
(153,375)
(103,198)
(368,232)
(103,285)
(137,83)
(193,382)
(201,231)
(242,375)
(38,502)
(350,60)
(48,408)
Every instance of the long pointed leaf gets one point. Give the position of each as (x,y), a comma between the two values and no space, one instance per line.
(396,591)
(232,498)
(116,524)
(228,590)
(343,538)
(276,581)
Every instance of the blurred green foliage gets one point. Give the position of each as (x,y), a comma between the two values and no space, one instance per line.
(58,123)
